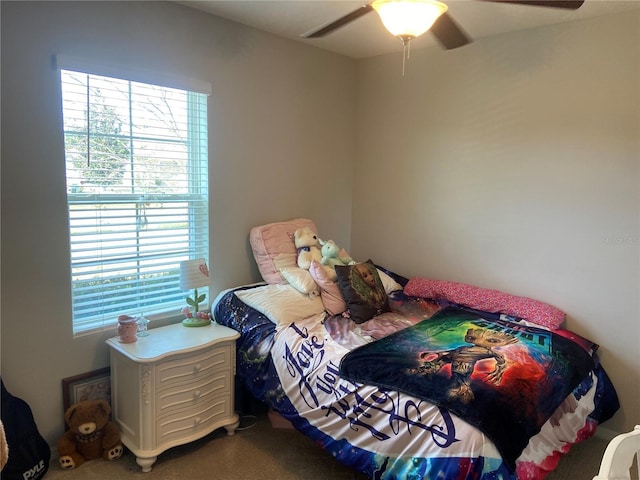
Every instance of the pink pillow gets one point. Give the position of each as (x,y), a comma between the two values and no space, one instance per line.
(487,300)
(273,247)
(329,292)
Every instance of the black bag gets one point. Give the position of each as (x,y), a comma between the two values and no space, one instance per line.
(29,452)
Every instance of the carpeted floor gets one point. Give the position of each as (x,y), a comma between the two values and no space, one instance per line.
(258,450)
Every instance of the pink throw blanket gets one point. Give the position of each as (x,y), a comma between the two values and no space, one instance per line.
(486,300)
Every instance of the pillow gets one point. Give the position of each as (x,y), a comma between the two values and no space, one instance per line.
(301,280)
(273,247)
(329,291)
(389,284)
(282,304)
(487,300)
(362,290)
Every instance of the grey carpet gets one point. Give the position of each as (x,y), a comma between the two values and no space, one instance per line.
(260,451)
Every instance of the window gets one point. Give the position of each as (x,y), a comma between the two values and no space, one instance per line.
(137,191)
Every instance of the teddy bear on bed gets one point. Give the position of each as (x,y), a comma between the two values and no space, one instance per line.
(307,247)
(91,434)
(332,255)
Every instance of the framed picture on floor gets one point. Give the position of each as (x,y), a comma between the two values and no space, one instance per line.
(87,386)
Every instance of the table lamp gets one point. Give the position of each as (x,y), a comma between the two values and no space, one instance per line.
(194,274)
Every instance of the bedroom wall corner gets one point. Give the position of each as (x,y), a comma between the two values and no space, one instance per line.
(513,163)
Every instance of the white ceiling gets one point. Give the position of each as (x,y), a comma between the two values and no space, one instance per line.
(366,37)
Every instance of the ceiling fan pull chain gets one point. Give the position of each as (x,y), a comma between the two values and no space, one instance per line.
(406,49)
(404,57)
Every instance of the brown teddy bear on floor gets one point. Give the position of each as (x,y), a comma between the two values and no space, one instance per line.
(91,434)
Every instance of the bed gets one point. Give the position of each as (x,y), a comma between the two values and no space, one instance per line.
(413,378)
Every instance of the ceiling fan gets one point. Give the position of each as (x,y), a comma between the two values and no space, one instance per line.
(440,23)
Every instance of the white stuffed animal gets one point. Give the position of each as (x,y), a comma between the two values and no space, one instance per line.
(307,246)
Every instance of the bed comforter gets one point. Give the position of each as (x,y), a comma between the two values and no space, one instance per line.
(387,431)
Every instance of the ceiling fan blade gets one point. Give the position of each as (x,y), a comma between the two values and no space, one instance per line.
(449,33)
(568,4)
(349,17)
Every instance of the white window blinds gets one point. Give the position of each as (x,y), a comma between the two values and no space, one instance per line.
(137,191)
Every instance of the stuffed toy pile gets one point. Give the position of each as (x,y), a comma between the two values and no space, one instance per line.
(311,248)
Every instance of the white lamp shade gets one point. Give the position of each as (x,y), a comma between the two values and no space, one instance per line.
(194,274)
(408,18)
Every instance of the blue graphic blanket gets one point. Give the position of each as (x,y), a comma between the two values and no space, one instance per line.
(504,378)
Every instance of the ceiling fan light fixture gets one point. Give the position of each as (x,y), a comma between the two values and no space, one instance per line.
(408,18)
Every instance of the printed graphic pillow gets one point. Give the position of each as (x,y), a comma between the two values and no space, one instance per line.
(273,247)
(329,292)
(362,290)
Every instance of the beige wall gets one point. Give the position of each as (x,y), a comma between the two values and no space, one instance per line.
(514,164)
(281,134)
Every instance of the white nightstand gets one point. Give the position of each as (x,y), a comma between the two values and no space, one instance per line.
(172,387)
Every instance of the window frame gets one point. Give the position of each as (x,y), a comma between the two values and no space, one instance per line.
(197,148)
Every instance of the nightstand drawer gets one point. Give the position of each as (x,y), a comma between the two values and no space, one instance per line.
(187,422)
(202,390)
(191,368)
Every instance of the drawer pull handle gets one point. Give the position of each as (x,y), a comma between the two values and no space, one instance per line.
(196,394)
(196,421)
(197,367)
